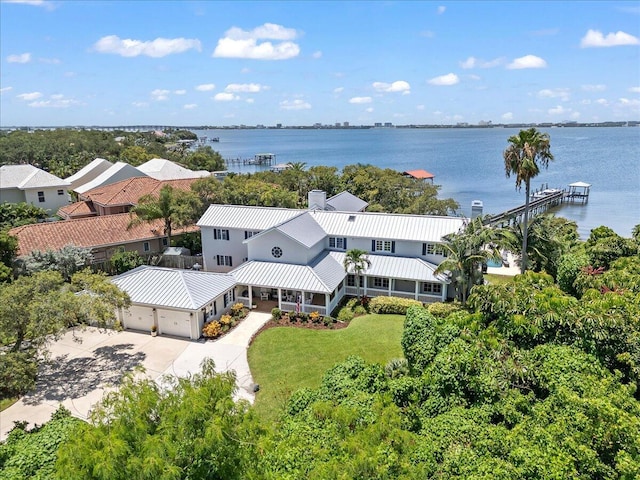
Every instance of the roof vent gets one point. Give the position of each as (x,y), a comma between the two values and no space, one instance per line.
(352,218)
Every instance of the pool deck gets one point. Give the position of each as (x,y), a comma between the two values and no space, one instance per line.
(510,271)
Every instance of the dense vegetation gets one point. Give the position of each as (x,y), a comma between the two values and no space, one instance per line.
(534,379)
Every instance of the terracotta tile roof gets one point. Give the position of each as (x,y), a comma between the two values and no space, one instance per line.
(77,209)
(420,174)
(129,191)
(90,232)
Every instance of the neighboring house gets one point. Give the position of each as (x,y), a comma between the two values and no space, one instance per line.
(296,256)
(105,235)
(118,197)
(177,302)
(115,173)
(342,202)
(88,172)
(420,175)
(162,169)
(26,183)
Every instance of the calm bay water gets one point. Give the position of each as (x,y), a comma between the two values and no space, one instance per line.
(468,163)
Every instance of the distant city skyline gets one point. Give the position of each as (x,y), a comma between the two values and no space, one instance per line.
(326,63)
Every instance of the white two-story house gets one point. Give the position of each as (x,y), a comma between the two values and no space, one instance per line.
(296,257)
(26,183)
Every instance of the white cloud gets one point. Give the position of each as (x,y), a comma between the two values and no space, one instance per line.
(50,61)
(528,61)
(5,89)
(602,101)
(245,70)
(206,87)
(369,110)
(445,80)
(317,54)
(159,94)
(22,58)
(473,62)
(338,90)
(29,96)
(507,116)
(250,100)
(475,77)
(35,3)
(397,86)
(179,92)
(55,101)
(225,97)
(190,106)
(296,104)
(595,38)
(441,9)
(245,88)
(420,107)
(586,101)
(360,100)
(160,47)
(140,104)
(562,93)
(558,110)
(626,102)
(634,89)
(594,88)
(238,43)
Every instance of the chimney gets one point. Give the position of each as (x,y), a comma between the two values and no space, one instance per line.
(476,208)
(318,199)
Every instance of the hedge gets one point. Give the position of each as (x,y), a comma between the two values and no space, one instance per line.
(392,305)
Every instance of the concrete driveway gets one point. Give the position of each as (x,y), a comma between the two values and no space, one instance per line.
(86,364)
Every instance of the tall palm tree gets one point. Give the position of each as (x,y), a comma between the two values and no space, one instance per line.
(174,207)
(466,251)
(357,261)
(527,152)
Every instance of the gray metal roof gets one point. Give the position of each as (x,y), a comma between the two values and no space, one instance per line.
(346,202)
(162,169)
(118,171)
(90,171)
(173,288)
(398,267)
(28,176)
(303,229)
(245,217)
(420,228)
(322,276)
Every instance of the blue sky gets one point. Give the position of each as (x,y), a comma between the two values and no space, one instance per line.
(300,63)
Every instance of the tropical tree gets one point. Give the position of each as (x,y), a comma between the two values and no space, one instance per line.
(177,208)
(528,151)
(356,261)
(465,252)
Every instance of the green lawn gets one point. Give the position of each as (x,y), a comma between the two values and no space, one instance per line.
(494,279)
(7,402)
(284,359)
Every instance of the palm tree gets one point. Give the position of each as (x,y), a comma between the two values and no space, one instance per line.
(357,261)
(174,207)
(466,251)
(521,158)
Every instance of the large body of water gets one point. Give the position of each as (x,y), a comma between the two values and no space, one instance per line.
(468,163)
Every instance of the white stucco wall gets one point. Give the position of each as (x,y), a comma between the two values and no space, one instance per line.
(292,251)
(212,247)
(53,201)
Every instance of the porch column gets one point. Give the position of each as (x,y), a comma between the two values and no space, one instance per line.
(250,288)
(417,289)
(327,304)
(392,282)
(444,291)
(365,280)
(279,298)
(302,303)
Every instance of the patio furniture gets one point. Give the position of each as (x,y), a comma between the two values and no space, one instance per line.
(264,295)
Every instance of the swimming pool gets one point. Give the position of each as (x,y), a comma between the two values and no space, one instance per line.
(494,263)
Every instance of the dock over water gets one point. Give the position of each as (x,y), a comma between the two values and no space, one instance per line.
(541,200)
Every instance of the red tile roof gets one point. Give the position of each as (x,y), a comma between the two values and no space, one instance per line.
(129,191)
(78,209)
(89,232)
(420,174)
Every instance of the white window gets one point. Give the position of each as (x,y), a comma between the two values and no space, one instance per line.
(434,288)
(383,246)
(379,282)
(440,250)
(224,260)
(339,243)
(220,234)
(249,234)
(146,247)
(41,197)
(60,192)
(351,281)
(428,248)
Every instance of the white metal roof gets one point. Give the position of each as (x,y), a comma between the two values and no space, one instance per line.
(245,217)
(322,276)
(173,288)
(398,267)
(115,173)
(162,169)
(346,202)
(303,229)
(580,184)
(27,176)
(421,228)
(89,172)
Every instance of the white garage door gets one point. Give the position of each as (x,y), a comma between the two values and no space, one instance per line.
(138,318)
(171,322)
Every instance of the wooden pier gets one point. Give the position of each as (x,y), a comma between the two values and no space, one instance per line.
(263,159)
(542,200)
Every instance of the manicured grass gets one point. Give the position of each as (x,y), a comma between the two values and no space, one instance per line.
(284,359)
(7,402)
(494,279)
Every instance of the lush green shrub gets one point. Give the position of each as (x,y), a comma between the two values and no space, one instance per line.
(276,313)
(351,304)
(359,310)
(212,329)
(125,261)
(569,268)
(443,310)
(345,314)
(237,310)
(392,305)
(18,372)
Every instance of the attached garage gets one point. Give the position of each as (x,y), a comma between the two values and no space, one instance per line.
(175,322)
(138,318)
(175,301)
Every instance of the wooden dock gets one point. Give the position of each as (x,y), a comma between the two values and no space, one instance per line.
(542,200)
(263,159)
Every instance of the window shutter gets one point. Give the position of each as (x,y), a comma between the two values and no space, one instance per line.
(393,247)
(246,234)
(231,262)
(424,249)
(218,259)
(215,235)
(345,243)
(373,245)
(227,234)
(215,308)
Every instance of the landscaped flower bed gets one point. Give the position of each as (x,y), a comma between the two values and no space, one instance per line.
(300,319)
(217,328)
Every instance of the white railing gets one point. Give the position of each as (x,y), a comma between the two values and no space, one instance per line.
(291,307)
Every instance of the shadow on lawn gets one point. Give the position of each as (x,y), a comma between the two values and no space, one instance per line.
(60,378)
